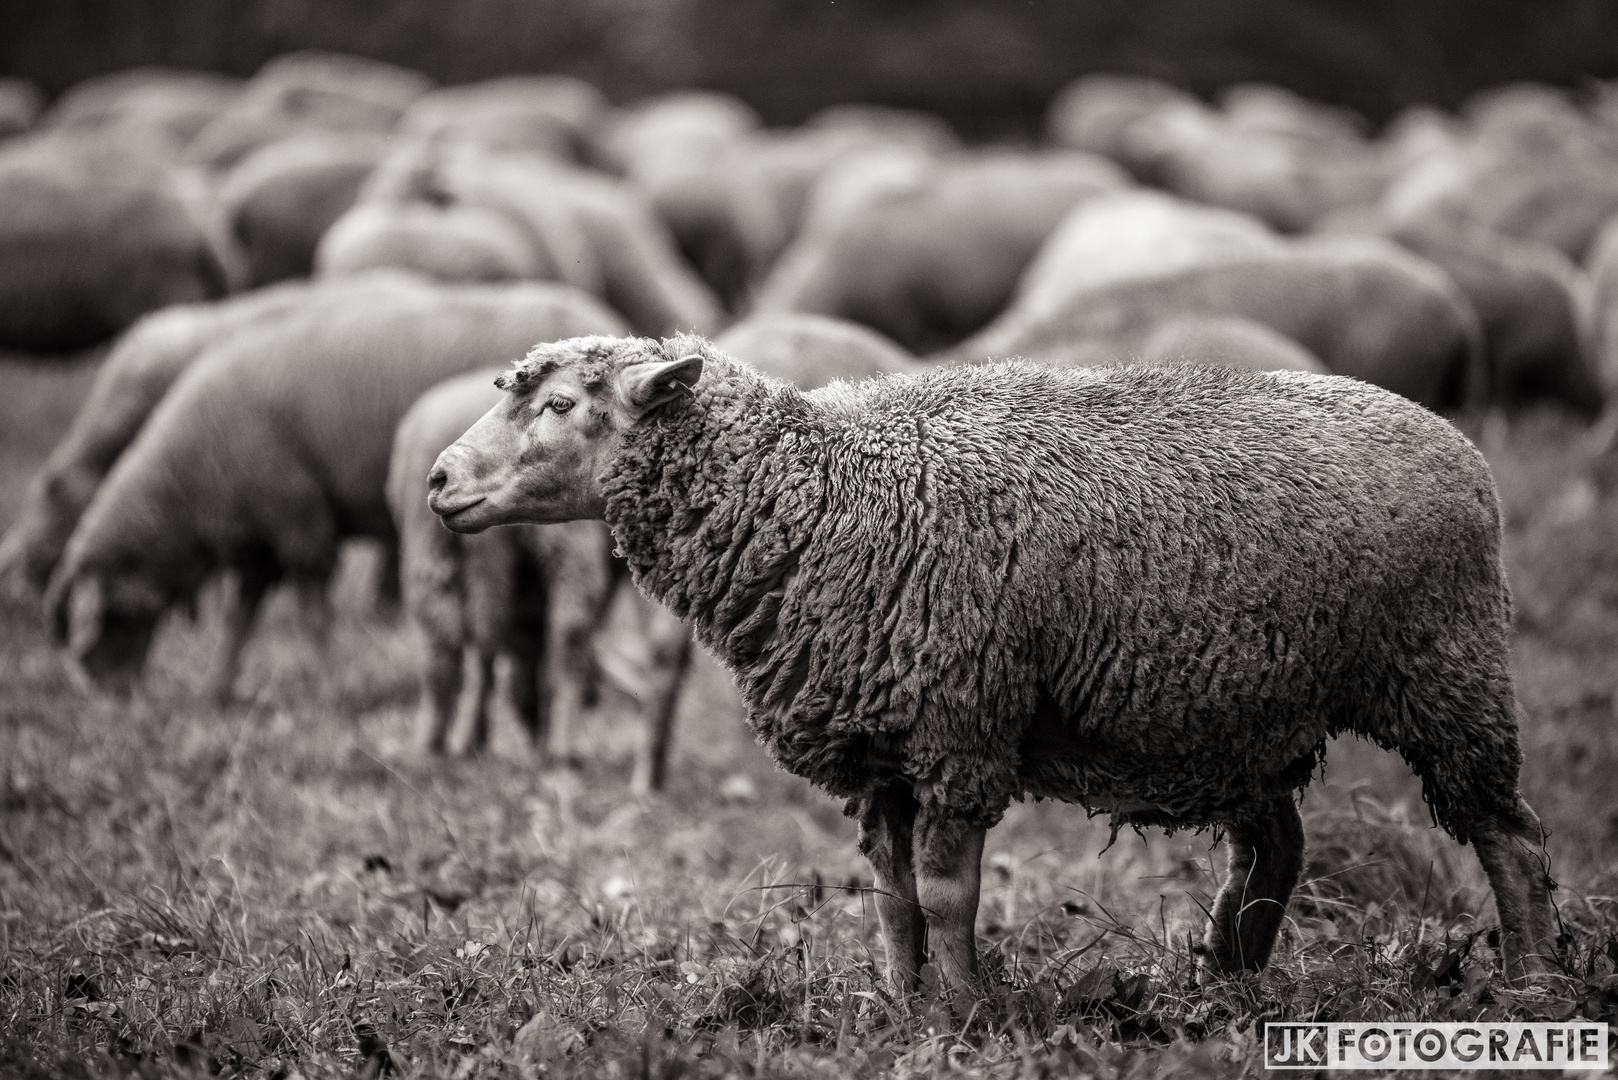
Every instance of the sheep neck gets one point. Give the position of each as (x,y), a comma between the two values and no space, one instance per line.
(706,504)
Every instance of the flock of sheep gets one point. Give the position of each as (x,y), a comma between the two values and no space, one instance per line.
(315,276)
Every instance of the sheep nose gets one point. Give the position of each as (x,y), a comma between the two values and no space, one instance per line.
(437,479)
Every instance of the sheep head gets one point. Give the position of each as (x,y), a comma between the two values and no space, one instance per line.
(539,454)
(107,622)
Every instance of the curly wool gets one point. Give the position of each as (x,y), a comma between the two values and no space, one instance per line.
(1151,591)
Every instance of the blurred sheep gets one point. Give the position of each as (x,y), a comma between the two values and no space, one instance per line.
(535,594)
(551,115)
(1095,113)
(20,105)
(139,370)
(307,91)
(164,107)
(810,351)
(1529,297)
(280,199)
(1362,305)
(95,231)
(1531,166)
(928,250)
(269,450)
(735,197)
(1291,175)
(561,223)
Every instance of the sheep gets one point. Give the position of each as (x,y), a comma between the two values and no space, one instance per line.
(281,198)
(139,370)
(735,193)
(271,449)
(95,232)
(303,91)
(1364,306)
(20,104)
(166,107)
(1533,167)
(448,243)
(811,350)
(666,147)
(581,227)
(1153,591)
(929,257)
(1528,297)
(535,593)
(1603,321)
(1288,179)
(551,115)
(1094,113)
(1123,235)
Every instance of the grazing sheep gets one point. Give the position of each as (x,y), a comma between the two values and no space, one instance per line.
(139,370)
(166,107)
(1364,306)
(581,228)
(1527,296)
(281,198)
(307,91)
(272,448)
(551,115)
(20,103)
(95,232)
(931,257)
(1155,592)
(810,351)
(534,593)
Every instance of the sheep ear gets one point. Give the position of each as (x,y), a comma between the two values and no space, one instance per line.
(643,387)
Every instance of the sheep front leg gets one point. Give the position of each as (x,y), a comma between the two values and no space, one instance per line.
(241,594)
(887,820)
(948,860)
(1266,857)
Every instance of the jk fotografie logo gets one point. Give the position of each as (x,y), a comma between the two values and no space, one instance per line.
(1436,1046)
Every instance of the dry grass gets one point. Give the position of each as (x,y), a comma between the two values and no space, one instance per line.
(288,888)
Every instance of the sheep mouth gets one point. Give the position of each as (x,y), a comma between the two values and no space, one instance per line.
(449,512)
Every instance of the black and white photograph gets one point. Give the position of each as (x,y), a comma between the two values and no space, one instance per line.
(735,539)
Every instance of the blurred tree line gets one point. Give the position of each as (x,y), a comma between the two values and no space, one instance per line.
(988,65)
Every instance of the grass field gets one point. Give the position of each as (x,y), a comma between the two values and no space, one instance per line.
(288,888)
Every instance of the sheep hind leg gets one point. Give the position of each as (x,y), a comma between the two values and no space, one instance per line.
(887,819)
(1266,857)
(1510,847)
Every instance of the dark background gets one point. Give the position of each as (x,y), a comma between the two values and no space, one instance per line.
(988,65)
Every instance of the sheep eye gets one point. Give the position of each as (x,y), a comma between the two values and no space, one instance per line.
(558,405)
